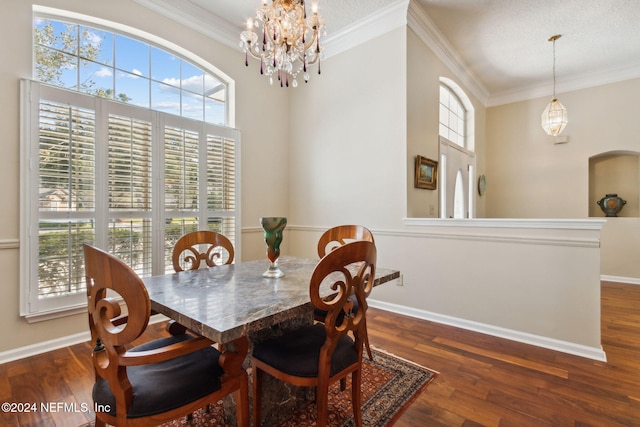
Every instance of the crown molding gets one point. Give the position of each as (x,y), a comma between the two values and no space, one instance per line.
(567,84)
(428,32)
(381,22)
(197,18)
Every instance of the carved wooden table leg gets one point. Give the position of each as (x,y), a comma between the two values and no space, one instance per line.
(234,355)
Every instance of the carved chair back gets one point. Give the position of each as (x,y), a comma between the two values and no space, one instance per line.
(127,377)
(204,245)
(320,354)
(334,238)
(338,236)
(111,284)
(350,271)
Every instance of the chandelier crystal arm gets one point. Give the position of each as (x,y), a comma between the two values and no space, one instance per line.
(310,48)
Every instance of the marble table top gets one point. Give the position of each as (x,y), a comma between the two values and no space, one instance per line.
(226,302)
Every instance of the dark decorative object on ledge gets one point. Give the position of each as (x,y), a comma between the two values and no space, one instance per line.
(611,204)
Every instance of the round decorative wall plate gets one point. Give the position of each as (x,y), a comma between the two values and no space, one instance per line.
(482,185)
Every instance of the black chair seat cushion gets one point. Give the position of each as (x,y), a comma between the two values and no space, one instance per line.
(321,314)
(298,352)
(163,386)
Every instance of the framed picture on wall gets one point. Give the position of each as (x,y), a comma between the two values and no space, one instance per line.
(426,173)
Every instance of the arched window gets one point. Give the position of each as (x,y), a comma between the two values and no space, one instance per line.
(118,66)
(129,132)
(453,116)
(457,159)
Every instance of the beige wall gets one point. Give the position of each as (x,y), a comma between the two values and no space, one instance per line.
(424,70)
(348,138)
(264,146)
(530,177)
(621,250)
(353,133)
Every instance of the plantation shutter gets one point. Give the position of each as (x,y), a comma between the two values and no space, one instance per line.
(66,195)
(130,192)
(199,169)
(126,179)
(221,184)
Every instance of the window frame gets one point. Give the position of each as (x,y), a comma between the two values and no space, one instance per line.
(450,165)
(36,308)
(460,137)
(49,13)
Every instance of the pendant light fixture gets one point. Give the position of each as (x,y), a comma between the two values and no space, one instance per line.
(554,117)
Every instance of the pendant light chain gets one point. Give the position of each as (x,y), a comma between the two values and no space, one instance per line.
(554,66)
(553,40)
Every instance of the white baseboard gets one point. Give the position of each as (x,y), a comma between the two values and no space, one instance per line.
(54,344)
(43,347)
(620,279)
(523,337)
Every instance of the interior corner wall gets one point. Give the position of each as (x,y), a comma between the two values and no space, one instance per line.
(424,70)
(528,176)
(262,120)
(348,133)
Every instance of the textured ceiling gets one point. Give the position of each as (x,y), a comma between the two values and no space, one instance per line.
(504,42)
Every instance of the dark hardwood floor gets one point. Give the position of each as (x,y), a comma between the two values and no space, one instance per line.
(483,381)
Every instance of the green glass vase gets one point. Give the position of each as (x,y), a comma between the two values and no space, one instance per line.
(273,228)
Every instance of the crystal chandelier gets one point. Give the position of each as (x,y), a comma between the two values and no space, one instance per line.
(554,117)
(289,40)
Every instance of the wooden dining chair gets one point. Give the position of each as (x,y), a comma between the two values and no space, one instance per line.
(193,248)
(341,234)
(203,245)
(323,353)
(157,381)
(332,239)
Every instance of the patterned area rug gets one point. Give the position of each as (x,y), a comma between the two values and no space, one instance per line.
(389,385)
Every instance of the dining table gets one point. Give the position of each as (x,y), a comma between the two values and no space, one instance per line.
(235,306)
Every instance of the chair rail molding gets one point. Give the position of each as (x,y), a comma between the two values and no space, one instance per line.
(551,223)
(9,244)
(523,231)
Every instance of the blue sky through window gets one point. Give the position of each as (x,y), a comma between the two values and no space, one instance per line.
(101,62)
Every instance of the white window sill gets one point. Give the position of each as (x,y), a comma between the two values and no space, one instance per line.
(57,313)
